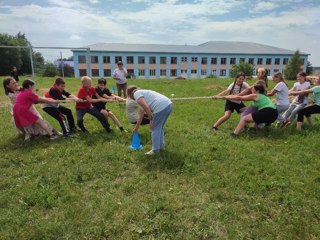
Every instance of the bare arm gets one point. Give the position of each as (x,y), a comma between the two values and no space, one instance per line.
(272,92)
(303,92)
(142,102)
(140,118)
(245,92)
(251,97)
(99,99)
(47,100)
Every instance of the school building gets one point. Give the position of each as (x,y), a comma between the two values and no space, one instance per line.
(152,61)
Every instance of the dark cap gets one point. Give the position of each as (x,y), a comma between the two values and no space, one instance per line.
(119,63)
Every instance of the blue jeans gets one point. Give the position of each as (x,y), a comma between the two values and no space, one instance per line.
(157,134)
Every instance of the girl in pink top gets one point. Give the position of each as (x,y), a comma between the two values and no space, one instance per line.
(22,115)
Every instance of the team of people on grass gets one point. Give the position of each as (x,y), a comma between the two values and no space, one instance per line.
(263,112)
(150,107)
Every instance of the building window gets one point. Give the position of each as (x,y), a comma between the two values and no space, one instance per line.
(173,60)
(184,59)
(173,72)
(204,60)
(152,60)
(203,72)
(94,59)
(251,61)
(232,60)
(285,61)
(260,61)
(223,73)
(130,73)
(184,71)
(83,72)
(268,61)
(141,60)
(107,72)
(163,60)
(194,59)
(95,72)
(277,61)
(223,61)
(242,60)
(130,60)
(193,71)
(117,59)
(302,61)
(141,72)
(214,72)
(106,59)
(276,70)
(152,72)
(213,60)
(163,72)
(82,59)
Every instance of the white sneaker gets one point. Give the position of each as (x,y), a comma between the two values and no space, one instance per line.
(27,137)
(151,152)
(53,137)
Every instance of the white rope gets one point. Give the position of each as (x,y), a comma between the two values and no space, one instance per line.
(190,98)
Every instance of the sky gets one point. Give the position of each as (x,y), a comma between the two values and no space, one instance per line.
(289,24)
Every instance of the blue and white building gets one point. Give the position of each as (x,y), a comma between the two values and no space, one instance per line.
(153,61)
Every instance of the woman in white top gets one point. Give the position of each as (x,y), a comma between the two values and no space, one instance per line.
(120,75)
(282,95)
(158,108)
(133,111)
(234,88)
(299,102)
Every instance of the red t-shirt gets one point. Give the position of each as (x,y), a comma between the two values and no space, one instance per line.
(82,94)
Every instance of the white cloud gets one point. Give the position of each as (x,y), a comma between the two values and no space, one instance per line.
(264,6)
(75,37)
(94,1)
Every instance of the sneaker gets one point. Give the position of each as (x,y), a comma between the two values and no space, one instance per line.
(214,129)
(123,130)
(55,132)
(27,137)
(68,135)
(74,130)
(233,135)
(287,124)
(109,130)
(151,152)
(53,137)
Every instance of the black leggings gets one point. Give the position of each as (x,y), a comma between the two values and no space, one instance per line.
(58,114)
(307,111)
(94,112)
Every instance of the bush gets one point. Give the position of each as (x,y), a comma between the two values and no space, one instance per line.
(50,70)
(246,68)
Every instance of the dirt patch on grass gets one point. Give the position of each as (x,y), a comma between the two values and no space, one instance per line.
(215,87)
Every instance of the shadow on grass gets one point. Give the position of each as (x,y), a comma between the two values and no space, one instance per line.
(165,160)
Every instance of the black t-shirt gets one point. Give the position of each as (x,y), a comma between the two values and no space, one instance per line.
(56,94)
(101,105)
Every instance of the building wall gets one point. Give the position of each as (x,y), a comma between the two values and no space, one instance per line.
(186,65)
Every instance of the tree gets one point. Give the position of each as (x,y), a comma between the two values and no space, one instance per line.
(50,70)
(244,67)
(67,70)
(309,68)
(19,57)
(294,66)
(9,56)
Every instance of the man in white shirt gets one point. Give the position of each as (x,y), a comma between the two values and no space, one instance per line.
(120,75)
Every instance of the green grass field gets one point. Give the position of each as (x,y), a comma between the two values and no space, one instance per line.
(263,185)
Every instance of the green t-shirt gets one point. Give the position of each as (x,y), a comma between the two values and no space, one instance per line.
(316,93)
(263,102)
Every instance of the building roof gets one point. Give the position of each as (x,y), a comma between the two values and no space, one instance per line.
(217,47)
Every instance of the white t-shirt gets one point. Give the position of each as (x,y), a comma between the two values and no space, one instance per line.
(120,74)
(236,90)
(298,86)
(282,97)
(132,109)
(156,101)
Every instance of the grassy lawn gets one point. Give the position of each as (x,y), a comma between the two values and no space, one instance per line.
(263,185)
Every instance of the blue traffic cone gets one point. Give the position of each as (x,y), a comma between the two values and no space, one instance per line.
(135,142)
(113,90)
